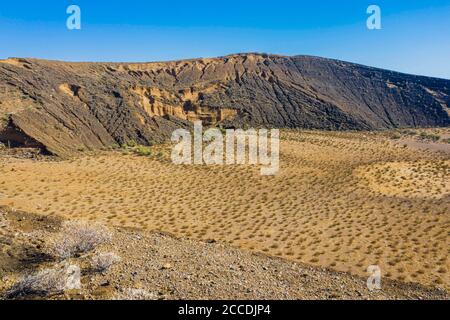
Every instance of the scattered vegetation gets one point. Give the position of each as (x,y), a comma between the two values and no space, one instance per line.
(409,132)
(56,277)
(135,294)
(132,147)
(47,282)
(77,238)
(103,261)
(143,151)
(360,183)
(429,136)
(395,135)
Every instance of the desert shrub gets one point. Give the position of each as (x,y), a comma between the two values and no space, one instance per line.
(143,151)
(103,261)
(429,136)
(47,282)
(77,237)
(135,294)
(410,132)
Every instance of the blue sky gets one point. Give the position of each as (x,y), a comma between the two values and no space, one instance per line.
(415,37)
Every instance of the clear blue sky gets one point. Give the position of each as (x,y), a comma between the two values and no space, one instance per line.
(415,37)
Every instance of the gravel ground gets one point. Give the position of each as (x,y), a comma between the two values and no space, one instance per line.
(159,266)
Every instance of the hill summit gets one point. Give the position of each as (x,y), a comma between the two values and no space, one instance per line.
(65,107)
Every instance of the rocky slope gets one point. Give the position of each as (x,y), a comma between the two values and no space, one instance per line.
(159,266)
(64,107)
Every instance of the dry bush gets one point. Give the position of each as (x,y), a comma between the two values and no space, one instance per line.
(77,237)
(103,261)
(47,282)
(135,294)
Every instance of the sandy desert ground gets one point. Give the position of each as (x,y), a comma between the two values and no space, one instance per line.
(342,200)
(150,265)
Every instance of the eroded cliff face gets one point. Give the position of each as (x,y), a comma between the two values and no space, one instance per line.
(67,107)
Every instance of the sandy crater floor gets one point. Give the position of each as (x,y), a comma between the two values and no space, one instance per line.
(340,200)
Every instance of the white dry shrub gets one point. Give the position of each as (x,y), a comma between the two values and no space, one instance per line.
(47,282)
(77,237)
(135,294)
(103,261)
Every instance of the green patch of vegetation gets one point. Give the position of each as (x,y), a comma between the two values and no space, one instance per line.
(132,147)
(143,151)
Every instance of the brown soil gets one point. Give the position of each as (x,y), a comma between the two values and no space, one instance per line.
(160,266)
(341,200)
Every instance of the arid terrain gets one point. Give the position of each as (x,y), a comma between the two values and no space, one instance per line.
(65,107)
(154,265)
(342,200)
(89,142)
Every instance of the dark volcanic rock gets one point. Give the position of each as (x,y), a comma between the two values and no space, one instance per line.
(66,107)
